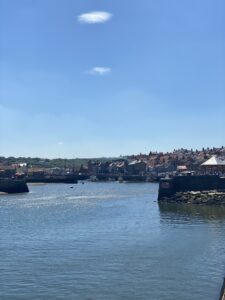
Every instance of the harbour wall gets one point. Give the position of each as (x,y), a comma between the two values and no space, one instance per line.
(171,187)
(52,179)
(124,177)
(11,186)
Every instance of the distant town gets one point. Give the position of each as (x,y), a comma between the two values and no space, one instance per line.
(149,166)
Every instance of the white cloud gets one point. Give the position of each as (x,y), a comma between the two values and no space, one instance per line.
(95,17)
(99,71)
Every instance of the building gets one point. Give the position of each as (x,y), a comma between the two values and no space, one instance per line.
(7,171)
(117,167)
(214,165)
(181,169)
(137,167)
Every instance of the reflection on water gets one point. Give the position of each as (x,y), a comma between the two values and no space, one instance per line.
(207,212)
(108,241)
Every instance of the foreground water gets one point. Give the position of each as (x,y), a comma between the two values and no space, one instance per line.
(108,241)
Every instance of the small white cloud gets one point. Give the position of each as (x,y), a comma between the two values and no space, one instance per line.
(99,71)
(95,17)
(60,143)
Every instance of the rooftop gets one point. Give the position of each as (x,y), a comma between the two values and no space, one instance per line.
(214,161)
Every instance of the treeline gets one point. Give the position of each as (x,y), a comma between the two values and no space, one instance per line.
(75,163)
(44,163)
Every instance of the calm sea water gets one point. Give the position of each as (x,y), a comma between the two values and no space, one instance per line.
(108,241)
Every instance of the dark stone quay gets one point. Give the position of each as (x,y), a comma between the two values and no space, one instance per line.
(204,189)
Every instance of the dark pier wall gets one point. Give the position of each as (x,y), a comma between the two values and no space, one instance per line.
(11,186)
(129,178)
(168,187)
(52,179)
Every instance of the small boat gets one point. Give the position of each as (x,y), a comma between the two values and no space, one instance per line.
(93,178)
(111,179)
(120,179)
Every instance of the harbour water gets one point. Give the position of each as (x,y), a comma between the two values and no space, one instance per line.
(108,241)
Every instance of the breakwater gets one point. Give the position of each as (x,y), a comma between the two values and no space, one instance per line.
(11,186)
(206,189)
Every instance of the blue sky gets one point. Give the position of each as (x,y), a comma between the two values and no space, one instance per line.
(103,78)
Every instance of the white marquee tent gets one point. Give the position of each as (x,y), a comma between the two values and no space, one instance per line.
(214,161)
